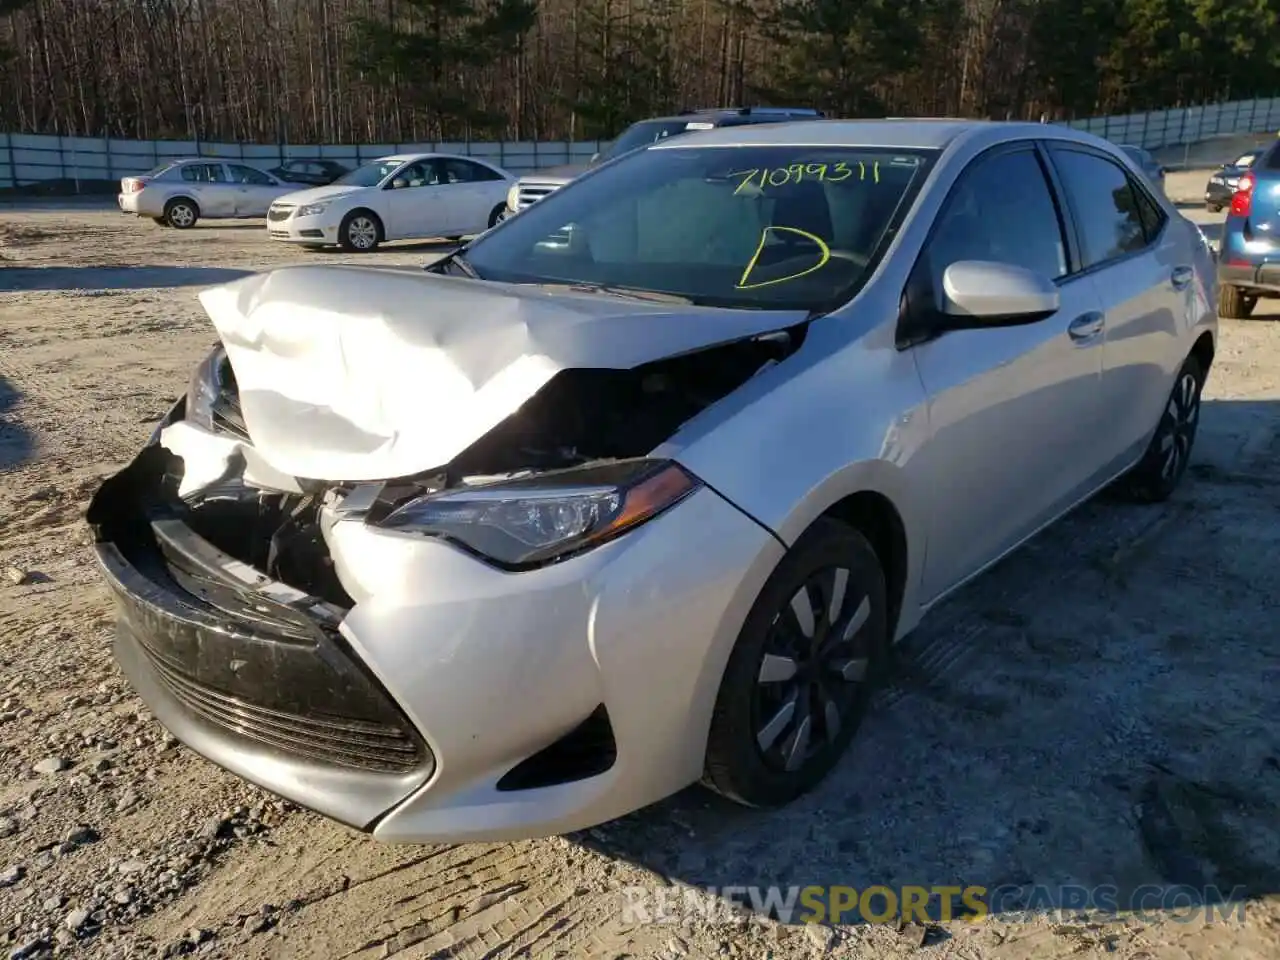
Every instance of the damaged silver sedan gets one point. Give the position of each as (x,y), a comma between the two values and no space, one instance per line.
(638,488)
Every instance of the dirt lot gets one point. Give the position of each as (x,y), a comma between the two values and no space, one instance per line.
(1100,709)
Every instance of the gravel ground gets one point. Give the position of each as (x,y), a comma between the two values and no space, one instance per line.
(1099,709)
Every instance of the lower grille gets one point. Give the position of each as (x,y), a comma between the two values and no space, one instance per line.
(276,214)
(532,192)
(250,659)
(350,743)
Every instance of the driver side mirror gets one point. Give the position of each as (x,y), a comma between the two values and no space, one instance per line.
(983,293)
(399,183)
(975,294)
(595,158)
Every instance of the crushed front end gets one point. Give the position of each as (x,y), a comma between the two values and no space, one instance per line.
(428,577)
(247,670)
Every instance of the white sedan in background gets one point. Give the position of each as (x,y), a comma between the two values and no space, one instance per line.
(407,196)
(180,192)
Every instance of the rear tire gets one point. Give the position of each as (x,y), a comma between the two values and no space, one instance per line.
(1164,464)
(181,213)
(360,232)
(799,679)
(1234,303)
(1213,207)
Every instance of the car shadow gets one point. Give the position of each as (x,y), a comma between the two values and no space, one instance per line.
(259,224)
(31,279)
(16,444)
(1093,717)
(435,245)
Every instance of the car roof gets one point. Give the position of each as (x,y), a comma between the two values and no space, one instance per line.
(904,133)
(738,114)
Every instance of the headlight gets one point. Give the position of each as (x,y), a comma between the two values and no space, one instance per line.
(513,197)
(312,209)
(204,388)
(528,522)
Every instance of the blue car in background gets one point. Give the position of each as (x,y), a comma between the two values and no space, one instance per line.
(1249,257)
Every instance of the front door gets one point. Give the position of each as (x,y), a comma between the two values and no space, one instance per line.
(1013,411)
(255,190)
(416,205)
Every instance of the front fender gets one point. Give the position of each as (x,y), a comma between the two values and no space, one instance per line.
(843,415)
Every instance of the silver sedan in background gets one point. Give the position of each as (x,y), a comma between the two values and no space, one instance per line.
(637,488)
(180,192)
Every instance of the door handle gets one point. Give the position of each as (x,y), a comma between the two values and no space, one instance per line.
(1086,326)
(1181,277)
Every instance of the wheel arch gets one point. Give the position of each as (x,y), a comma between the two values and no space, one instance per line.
(876,517)
(182,198)
(377,219)
(1203,350)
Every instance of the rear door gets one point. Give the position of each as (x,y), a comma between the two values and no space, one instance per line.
(1143,269)
(472,190)
(1014,411)
(207,184)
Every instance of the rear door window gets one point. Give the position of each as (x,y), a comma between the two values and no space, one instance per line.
(203,173)
(1105,202)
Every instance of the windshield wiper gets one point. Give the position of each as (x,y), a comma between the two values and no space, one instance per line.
(456,259)
(630,293)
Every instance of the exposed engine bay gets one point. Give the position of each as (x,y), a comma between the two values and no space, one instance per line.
(581,417)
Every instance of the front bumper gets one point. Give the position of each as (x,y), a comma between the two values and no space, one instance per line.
(320,229)
(249,673)
(522,704)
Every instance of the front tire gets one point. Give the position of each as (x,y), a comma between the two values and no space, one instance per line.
(1164,464)
(360,232)
(801,674)
(181,213)
(1234,303)
(497,215)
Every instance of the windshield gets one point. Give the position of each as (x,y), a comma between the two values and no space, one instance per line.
(773,227)
(369,174)
(646,132)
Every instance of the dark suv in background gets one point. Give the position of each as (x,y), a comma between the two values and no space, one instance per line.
(1249,258)
(535,186)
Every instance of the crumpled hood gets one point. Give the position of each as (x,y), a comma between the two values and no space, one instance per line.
(354,373)
(316,194)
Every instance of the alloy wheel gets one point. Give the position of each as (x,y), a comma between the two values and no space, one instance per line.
(181,215)
(812,676)
(1181,417)
(363,233)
